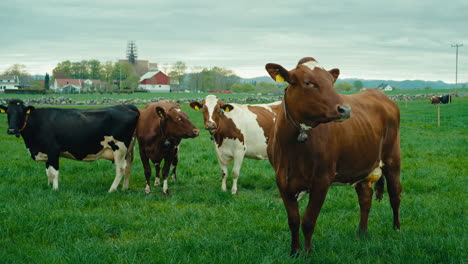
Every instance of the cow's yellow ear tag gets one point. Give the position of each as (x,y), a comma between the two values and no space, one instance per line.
(279,78)
(2,110)
(227,109)
(197,108)
(28,112)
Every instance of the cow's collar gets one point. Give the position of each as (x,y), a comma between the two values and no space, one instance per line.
(25,123)
(302,137)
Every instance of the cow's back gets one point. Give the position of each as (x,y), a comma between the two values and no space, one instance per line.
(81,131)
(255,122)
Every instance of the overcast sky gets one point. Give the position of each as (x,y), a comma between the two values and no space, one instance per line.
(369,39)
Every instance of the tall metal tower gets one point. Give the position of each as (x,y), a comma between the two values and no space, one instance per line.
(456,65)
(132,52)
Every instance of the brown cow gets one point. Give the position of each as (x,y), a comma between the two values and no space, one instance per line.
(435,100)
(161,127)
(309,153)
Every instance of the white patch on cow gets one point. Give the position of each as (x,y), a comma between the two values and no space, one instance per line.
(376,173)
(178,110)
(52,175)
(211,101)
(305,127)
(165,187)
(268,106)
(147,189)
(118,156)
(255,142)
(312,65)
(41,157)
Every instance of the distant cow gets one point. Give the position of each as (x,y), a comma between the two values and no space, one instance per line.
(238,131)
(161,127)
(443,99)
(85,135)
(309,152)
(435,100)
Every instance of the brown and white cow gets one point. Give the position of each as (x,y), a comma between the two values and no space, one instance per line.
(238,131)
(161,127)
(309,152)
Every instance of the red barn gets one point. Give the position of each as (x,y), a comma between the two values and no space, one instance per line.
(155,81)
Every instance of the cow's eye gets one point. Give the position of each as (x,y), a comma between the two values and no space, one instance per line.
(309,83)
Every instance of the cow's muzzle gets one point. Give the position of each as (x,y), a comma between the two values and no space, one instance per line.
(345,112)
(210,126)
(12,131)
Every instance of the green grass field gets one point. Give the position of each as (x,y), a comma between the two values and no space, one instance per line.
(198,223)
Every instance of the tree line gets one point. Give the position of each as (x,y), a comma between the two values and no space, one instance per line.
(120,75)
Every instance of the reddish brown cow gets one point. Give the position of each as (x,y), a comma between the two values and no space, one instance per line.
(309,153)
(161,127)
(435,100)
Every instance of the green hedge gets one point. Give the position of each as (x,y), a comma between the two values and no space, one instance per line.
(25,91)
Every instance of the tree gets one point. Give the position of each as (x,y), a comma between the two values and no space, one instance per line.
(267,88)
(19,70)
(62,70)
(343,87)
(178,72)
(132,81)
(427,87)
(243,88)
(358,84)
(46,81)
(37,85)
(94,69)
(194,81)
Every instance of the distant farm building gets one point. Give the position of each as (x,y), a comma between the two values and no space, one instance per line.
(385,87)
(76,85)
(155,81)
(8,82)
(141,67)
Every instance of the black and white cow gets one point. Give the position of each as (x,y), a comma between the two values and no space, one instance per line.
(85,135)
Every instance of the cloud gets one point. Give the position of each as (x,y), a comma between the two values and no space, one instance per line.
(366,39)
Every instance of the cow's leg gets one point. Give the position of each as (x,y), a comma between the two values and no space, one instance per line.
(146,169)
(317,195)
(165,173)
(236,171)
(52,170)
(391,173)
(224,174)
(292,209)
(120,166)
(157,168)
(175,161)
(364,192)
(129,163)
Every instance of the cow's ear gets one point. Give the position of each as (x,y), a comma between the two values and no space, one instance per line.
(335,73)
(160,111)
(3,109)
(278,73)
(195,105)
(227,107)
(29,109)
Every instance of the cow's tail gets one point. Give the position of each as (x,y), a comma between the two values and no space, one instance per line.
(379,188)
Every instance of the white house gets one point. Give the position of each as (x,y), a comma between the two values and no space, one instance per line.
(385,87)
(76,85)
(8,82)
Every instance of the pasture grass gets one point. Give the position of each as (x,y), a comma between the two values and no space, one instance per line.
(198,223)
